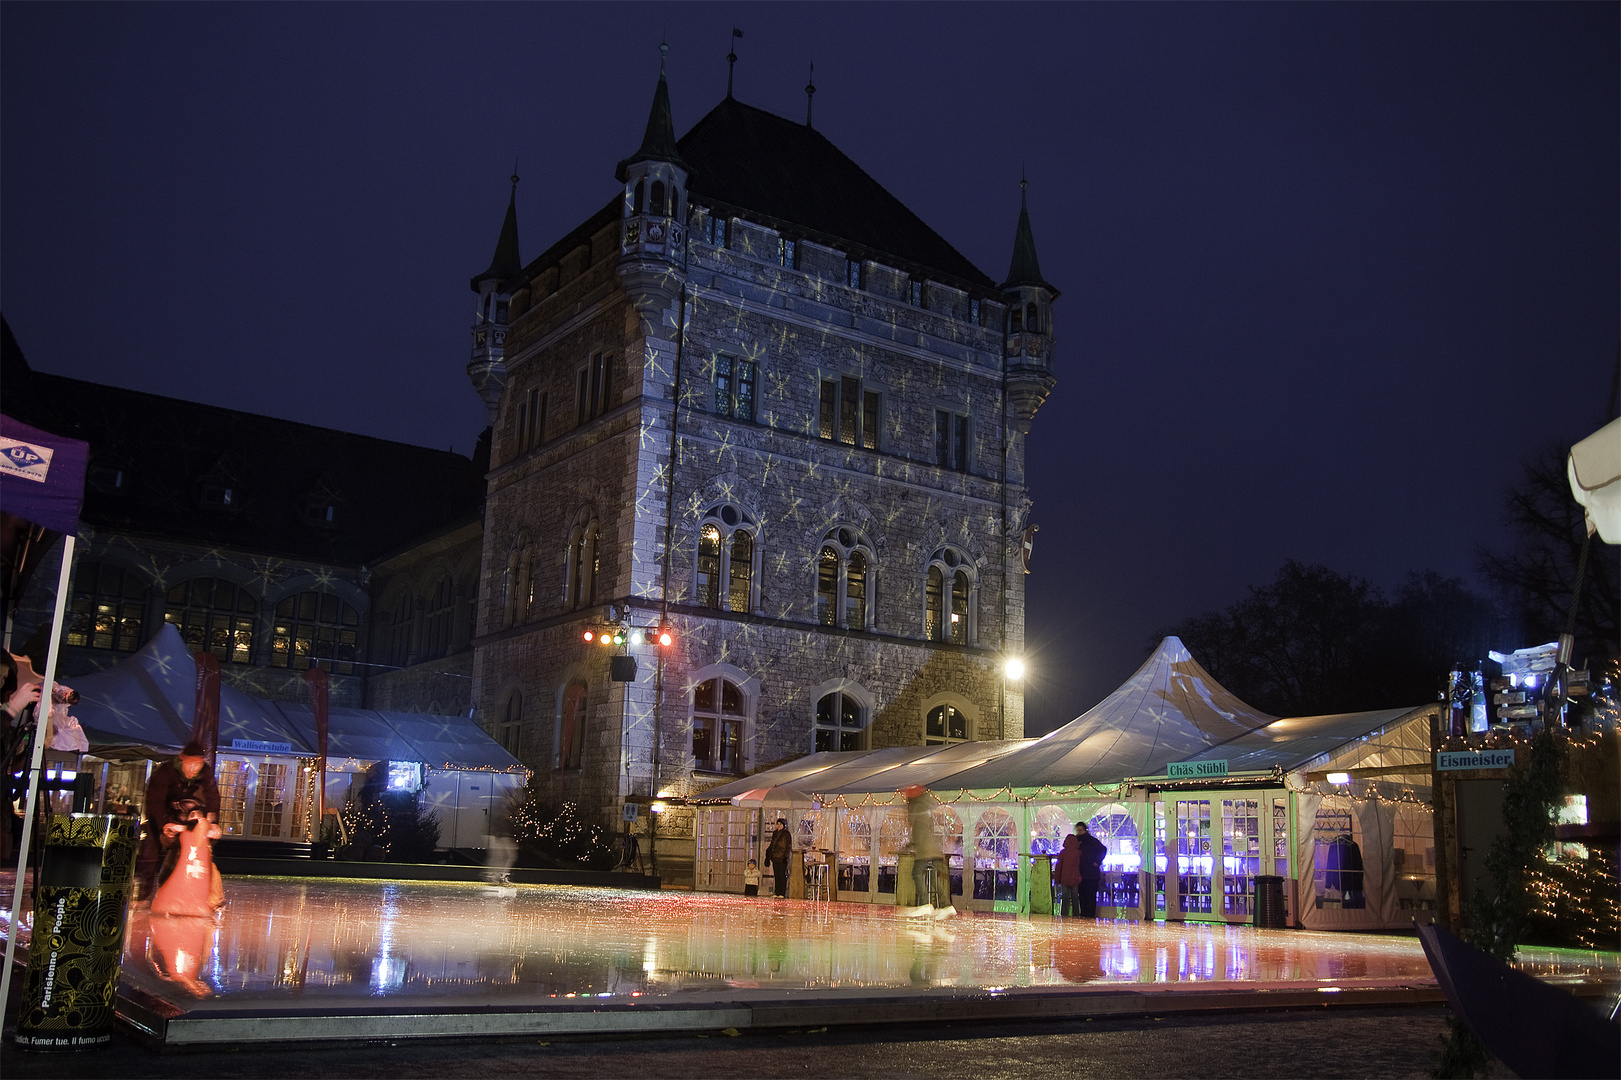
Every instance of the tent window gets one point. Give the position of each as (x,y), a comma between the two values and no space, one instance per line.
(214,616)
(108,605)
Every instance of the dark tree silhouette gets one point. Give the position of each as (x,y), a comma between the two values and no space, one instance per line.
(1315,641)
(1539,572)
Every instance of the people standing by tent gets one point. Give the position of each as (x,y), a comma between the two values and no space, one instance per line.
(1093,852)
(777,852)
(1069,876)
(19,695)
(179,792)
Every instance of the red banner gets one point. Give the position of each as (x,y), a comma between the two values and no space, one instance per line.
(205,722)
(316,680)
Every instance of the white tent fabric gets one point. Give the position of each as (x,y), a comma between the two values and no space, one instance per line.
(1168,711)
(1302,742)
(1594,467)
(148,701)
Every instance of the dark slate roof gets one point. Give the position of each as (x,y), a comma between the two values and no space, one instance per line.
(750,159)
(1026,268)
(386,493)
(658,141)
(505,265)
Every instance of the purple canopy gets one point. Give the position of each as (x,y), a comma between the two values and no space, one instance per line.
(41,476)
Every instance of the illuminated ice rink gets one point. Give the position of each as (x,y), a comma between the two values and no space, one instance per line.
(315,942)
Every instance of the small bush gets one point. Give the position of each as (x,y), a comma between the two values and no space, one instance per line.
(559,837)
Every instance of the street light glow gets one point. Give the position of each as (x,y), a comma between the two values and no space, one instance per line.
(1014,667)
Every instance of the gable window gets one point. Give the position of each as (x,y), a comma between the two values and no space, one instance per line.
(844,593)
(213,615)
(949,592)
(725,569)
(320,512)
(107,611)
(531,420)
(973,312)
(944,726)
(220,495)
(314,627)
(734,387)
(951,440)
(850,413)
(786,253)
(852,273)
(108,479)
(841,723)
(397,635)
(571,726)
(593,389)
(917,293)
(719,712)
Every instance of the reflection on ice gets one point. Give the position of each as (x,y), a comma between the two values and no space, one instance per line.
(284,938)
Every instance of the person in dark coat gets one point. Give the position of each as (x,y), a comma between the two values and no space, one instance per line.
(1092,855)
(1069,876)
(777,852)
(178,791)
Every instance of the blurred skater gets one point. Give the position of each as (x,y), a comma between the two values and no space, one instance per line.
(179,791)
(1092,855)
(500,849)
(929,873)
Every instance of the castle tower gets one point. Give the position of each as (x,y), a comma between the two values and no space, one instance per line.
(1029,329)
(651,264)
(487,367)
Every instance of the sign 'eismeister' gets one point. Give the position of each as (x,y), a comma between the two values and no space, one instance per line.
(1446,760)
(1195,770)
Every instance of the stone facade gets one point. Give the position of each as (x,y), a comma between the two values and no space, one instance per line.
(773,483)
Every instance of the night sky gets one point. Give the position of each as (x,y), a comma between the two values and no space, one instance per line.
(1329,272)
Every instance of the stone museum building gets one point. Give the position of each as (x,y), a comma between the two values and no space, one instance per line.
(757,405)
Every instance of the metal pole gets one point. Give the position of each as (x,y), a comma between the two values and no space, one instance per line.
(42,716)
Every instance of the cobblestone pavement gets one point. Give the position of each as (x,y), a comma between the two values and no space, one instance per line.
(1336,1042)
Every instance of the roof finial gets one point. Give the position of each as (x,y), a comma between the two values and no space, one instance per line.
(731,60)
(514,175)
(664,51)
(810,91)
(1024,187)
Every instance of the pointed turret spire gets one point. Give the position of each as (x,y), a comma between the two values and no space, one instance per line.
(505,265)
(658,142)
(1026,268)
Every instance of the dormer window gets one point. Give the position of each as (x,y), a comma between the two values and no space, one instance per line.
(973,312)
(656,203)
(1032,318)
(108,479)
(636,199)
(219,495)
(917,293)
(786,255)
(320,512)
(852,273)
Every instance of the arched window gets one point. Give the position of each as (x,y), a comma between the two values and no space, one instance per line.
(396,631)
(841,722)
(580,571)
(108,603)
(996,857)
(1032,318)
(656,203)
(636,199)
(315,627)
(436,628)
(214,616)
(719,716)
(948,831)
(949,593)
(1048,831)
(571,725)
(1015,319)
(510,733)
(725,567)
(844,580)
(945,725)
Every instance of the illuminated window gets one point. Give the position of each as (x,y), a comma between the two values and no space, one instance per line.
(787,255)
(850,413)
(213,615)
(314,627)
(951,440)
(950,593)
(945,725)
(852,273)
(719,714)
(734,388)
(844,580)
(841,722)
(584,560)
(108,607)
(725,566)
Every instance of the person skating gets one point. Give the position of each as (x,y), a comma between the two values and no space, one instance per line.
(927,861)
(178,791)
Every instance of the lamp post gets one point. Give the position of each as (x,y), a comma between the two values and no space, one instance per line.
(1012,669)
